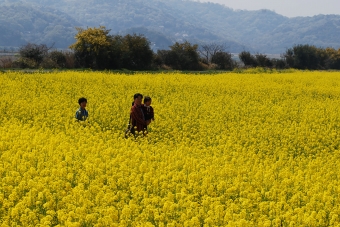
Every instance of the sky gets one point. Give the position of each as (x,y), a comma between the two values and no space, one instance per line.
(289,8)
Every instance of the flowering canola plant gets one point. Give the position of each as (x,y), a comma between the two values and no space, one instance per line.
(229,149)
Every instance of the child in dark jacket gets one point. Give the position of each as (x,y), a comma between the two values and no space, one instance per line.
(148,110)
(81,113)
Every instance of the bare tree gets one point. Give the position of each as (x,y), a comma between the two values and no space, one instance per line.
(208,51)
(6,62)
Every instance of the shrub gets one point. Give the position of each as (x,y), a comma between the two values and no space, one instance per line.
(263,61)
(136,52)
(25,63)
(181,56)
(6,62)
(279,63)
(58,58)
(49,63)
(33,52)
(247,59)
(223,60)
(306,57)
(70,62)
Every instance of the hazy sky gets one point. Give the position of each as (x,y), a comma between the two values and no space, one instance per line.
(289,8)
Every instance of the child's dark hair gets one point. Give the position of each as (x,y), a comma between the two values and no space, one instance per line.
(137,95)
(147,99)
(82,100)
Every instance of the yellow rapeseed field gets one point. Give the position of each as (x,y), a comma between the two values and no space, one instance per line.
(231,149)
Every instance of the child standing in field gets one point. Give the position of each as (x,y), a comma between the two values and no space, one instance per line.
(81,113)
(148,110)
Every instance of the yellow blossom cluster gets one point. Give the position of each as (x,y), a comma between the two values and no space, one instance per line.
(246,148)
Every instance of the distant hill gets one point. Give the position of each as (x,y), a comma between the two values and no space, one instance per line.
(21,23)
(164,22)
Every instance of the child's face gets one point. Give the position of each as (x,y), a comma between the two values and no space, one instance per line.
(148,103)
(83,105)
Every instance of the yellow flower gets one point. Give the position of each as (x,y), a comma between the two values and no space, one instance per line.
(229,149)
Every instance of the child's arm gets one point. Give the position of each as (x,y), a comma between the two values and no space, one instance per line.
(136,116)
(78,113)
(152,113)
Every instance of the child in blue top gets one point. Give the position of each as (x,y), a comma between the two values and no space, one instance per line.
(82,113)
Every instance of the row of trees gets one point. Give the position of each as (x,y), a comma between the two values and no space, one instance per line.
(40,56)
(95,48)
(298,57)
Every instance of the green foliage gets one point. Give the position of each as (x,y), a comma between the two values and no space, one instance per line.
(181,56)
(306,57)
(223,60)
(48,63)
(248,59)
(279,63)
(263,61)
(333,61)
(31,55)
(136,52)
(34,52)
(91,46)
(96,48)
(158,40)
(25,63)
(38,56)
(58,58)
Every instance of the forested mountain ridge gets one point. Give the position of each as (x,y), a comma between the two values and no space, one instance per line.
(173,20)
(21,23)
